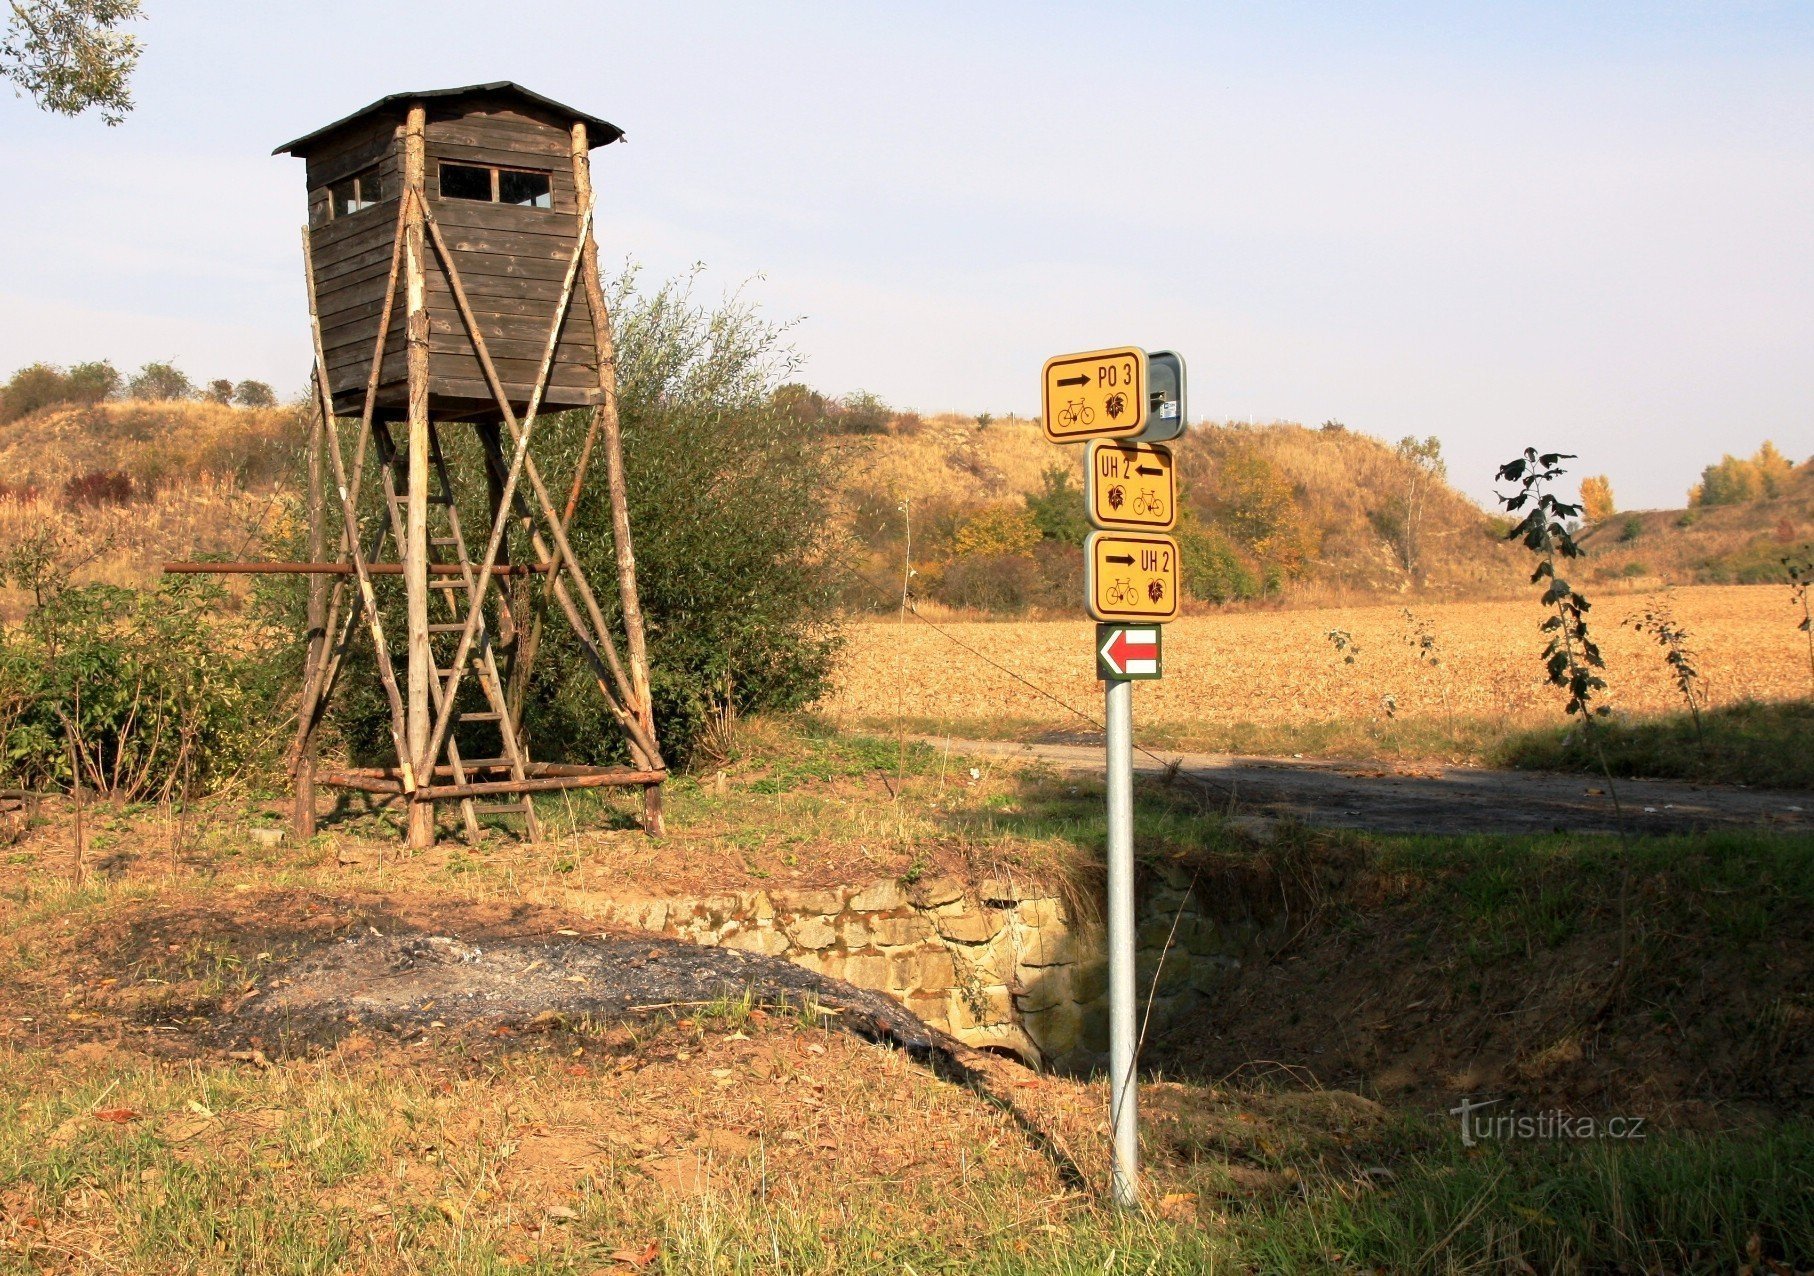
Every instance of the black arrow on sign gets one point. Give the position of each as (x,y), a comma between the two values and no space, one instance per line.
(1081,378)
(1125,559)
(1148,469)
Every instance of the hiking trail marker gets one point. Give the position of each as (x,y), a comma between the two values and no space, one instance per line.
(1128,651)
(1125,404)
(1099,394)
(1131,486)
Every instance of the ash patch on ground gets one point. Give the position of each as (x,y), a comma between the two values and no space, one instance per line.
(408,982)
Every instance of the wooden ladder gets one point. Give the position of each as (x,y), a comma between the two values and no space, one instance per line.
(447,544)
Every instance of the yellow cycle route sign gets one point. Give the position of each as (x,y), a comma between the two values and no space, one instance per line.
(1099,394)
(1130,576)
(1130,486)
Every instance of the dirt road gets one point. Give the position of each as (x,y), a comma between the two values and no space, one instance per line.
(1388,798)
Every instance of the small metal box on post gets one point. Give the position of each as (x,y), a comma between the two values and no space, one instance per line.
(453,282)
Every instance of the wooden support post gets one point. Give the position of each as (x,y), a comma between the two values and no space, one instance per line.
(415,546)
(304,818)
(635,640)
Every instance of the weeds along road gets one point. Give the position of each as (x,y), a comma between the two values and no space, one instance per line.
(1381,798)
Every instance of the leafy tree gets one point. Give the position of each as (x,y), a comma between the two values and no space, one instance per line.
(1424,468)
(1057,508)
(1596,498)
(254,394)
(160,381)
(1214,568)
(727,501)
(861,412)
(70,56)
(93,382)
(1571,655)
(219,391)
(803,403)
(32,389)
(1736,481)
(1003,528)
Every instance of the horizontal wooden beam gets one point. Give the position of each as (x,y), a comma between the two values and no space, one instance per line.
(333,569)
(595,778)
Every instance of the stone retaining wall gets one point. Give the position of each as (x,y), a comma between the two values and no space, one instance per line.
(996,965)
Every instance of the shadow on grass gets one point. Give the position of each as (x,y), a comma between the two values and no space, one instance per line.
(1761,744)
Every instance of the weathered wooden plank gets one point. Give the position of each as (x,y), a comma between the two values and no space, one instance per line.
(469,216)
(502,314)
(499,151)
(352,290)
(378,255)
(515,373)
(449,336)
(343,237)
(360,149)
(471,400)
(505,130)
(506,267)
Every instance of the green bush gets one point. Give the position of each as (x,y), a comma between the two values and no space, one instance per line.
(728,496)
(41,385)
(1215,570)
(149,691)
(1630,529)
(1057,508)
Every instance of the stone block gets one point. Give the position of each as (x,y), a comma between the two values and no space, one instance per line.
(1059,945)
(981,1008)
(1090,981)
(760,906)
(894,931)
(930,970)
(932,892)
(1056,1030)
(853,930)
(1043,911)
(932,1008)
(867,970)
(812,932)
(803,900)
(879,897)
(1048,988)
(1001,890)
(760,939)
(1213,975)
(970,926)
(1093,1027)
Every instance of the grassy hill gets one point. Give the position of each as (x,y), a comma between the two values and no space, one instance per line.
(1742,543)
(122,486)
(1274,510)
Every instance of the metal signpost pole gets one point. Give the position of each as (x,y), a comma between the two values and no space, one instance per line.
(1123,1103)
(1123,403)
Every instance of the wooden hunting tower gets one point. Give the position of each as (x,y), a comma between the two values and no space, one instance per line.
(453,278)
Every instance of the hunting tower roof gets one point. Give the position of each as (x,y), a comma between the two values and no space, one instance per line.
(599,132)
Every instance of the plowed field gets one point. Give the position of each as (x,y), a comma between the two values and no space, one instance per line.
(1280,668)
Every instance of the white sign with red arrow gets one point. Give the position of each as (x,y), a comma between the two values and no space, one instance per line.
(1127,652)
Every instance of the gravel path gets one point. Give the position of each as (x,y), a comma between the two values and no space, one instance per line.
(1436,799)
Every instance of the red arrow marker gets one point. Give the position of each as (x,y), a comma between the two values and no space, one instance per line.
(1132,651)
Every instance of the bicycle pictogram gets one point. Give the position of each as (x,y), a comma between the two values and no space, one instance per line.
(1075,412)
(1121,592)
(1149,505)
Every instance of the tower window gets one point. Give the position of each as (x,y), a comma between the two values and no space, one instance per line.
(526,188)
(351,194)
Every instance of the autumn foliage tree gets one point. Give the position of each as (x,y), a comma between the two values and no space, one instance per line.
(1596,498)
(1739,481)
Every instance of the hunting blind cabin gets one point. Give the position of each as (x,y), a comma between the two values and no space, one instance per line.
(453,286)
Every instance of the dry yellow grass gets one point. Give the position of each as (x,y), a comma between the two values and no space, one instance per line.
(1280,668)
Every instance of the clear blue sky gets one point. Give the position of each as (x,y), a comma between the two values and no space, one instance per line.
(1585,226)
